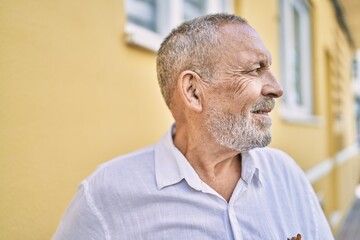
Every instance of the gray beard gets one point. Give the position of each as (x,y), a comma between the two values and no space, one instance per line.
(238,132)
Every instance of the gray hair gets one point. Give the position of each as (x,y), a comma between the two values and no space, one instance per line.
(191,46)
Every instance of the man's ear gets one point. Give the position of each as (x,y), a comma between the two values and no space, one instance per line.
(189,87)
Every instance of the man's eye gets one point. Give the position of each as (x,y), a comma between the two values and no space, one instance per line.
(255,70)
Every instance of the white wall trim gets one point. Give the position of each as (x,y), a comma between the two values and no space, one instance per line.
(142,37)
(292,116)
(335,218)
(320,170)
(346,154)
(325,167)
(169,15)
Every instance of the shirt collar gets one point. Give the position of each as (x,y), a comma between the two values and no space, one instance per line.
(171,166)
(250,168)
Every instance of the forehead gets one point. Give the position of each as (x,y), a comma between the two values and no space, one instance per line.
(242,42)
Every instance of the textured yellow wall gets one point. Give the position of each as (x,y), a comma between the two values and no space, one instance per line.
(72,95)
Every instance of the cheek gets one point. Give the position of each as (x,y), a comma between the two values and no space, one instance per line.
(235,98)
(249,95)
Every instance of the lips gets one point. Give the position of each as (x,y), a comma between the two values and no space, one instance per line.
(264,111)
(263,107)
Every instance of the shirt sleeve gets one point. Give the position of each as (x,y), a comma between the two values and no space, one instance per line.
(82,220)
(323,228)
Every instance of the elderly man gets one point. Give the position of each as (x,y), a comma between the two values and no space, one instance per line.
(210,177)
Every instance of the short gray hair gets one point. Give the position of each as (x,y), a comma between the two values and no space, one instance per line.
(191,46)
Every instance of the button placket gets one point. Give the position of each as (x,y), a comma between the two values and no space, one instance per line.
(238,192)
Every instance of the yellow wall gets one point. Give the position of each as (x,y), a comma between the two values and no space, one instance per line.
(333,86)
(72,95)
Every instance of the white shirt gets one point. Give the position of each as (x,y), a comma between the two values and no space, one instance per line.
(154,193)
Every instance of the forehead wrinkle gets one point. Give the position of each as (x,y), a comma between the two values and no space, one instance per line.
(250,45)
(246,60)
(258,56)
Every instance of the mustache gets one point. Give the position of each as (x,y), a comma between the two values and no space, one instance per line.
(268,104)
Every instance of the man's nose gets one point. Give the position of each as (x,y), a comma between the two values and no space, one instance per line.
(271,87)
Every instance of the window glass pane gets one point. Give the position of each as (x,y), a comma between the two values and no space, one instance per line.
(142,12)
(148,21)
(194,8)
(297,56)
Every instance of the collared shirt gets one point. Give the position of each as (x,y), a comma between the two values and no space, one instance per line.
(154,193)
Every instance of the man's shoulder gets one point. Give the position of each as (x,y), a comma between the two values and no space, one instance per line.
(129,160)
(123,171)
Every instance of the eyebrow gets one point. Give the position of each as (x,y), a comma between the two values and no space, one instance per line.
(262,57)
(259,57)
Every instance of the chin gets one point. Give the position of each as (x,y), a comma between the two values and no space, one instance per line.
(259,142)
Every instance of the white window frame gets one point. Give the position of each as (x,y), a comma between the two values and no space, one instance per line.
(290,108)
(170,15)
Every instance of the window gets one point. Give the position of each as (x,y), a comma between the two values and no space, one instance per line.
(296,72)
(149,21)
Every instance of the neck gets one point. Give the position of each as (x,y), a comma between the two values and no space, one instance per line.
(215,164)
